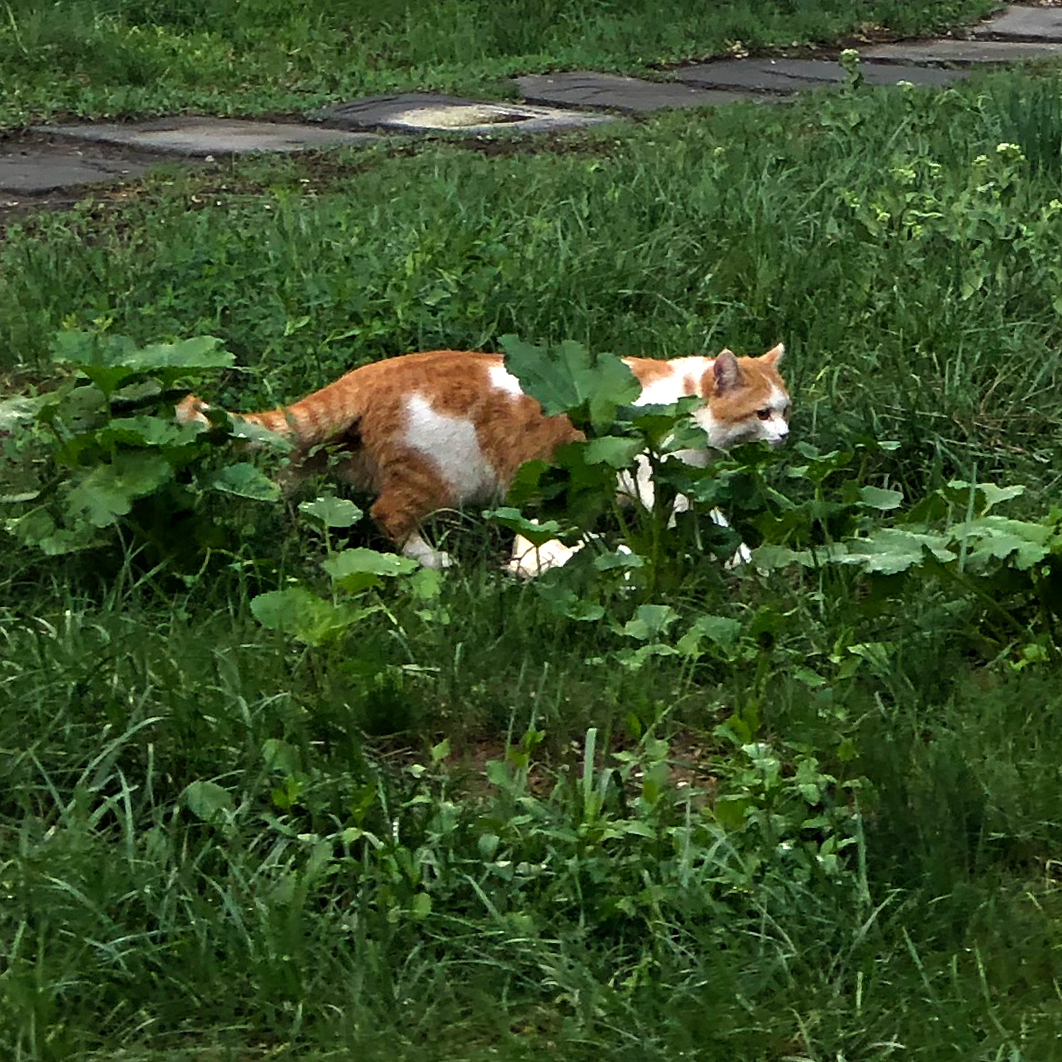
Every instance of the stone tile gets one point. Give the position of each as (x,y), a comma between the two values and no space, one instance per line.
(418,112)
(791,75)
(1025,23)
(207,136)
(962,53)
(46,169)
(584,88)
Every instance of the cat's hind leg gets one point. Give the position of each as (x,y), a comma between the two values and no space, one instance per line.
(410,489)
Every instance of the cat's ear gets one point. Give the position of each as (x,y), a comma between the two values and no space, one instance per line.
(726,375)
(774,355)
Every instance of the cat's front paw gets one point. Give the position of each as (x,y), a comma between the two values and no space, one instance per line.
(437,559)
(739,559)
(419,550)
(529,561)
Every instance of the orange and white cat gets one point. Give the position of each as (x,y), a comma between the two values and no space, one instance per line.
(444,428)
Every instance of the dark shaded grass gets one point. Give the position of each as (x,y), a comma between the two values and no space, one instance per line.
(128,922)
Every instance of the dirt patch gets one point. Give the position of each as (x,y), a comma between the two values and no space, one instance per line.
(119,172)
(688,762)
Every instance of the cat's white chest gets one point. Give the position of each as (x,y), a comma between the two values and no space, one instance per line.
(451,445)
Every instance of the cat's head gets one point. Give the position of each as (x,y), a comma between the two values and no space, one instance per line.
(747,400)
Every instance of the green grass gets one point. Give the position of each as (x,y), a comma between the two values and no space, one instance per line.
(87,57)
(335,882)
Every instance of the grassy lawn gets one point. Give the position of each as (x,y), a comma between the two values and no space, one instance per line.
(130,57)
(258,801)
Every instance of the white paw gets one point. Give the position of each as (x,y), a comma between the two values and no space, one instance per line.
(529,561)
(419,550)
(436,558)
(740,558)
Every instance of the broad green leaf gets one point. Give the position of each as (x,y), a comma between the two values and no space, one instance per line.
(498,773)
(330,511)
(996,537)
(730,811)
(426,584)
(634,659)
(487,844)
(612,450)
(986,495)
(819,466)
(621,558)
(146,430)
(139,391)
(891,550)
(720,630)
(650,621)
(281,756)
(254,434)
(103,359)
(37,528)
(207,800)
(566,377)
(666,427)
(811,679)
(879,655)
(108,360)
(108,491)
(20,409)
(83,408)
(994,495)
(246,481)
(535,532)
(879,498)
(583,611)
(355,569)
(769,556)
(198,352)
(304,615)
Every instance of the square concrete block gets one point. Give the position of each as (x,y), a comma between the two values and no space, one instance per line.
(962,53)
(584,88)
(792,75)
(1025,23)
(417,112)
(208,136)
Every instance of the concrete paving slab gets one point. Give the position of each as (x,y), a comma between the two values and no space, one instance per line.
(208,136)
(1024,23)
(42,170)
(962,53)
(584,88)
(791,75)
(420,112)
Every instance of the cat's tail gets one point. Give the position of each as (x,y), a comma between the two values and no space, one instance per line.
(301,423)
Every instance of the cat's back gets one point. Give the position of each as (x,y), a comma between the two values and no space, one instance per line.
(462,412)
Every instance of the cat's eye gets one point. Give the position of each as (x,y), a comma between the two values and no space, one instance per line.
(764,414)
